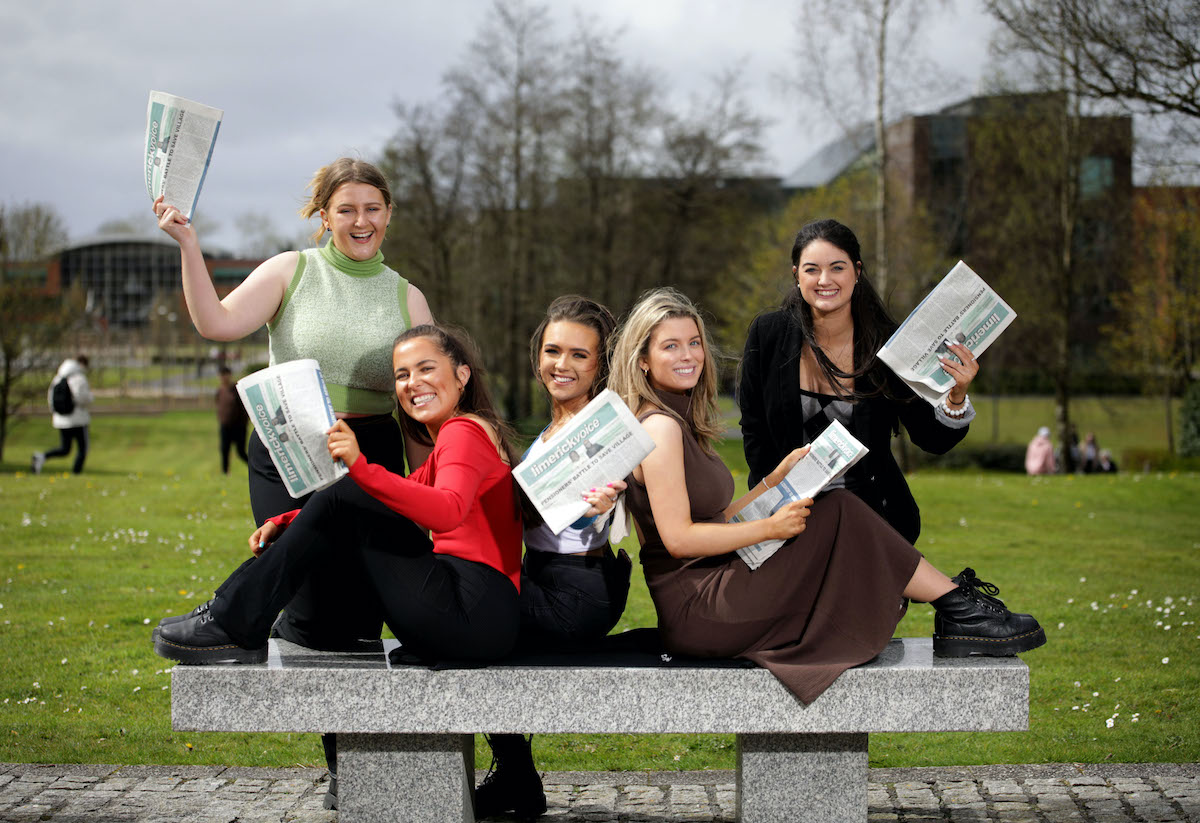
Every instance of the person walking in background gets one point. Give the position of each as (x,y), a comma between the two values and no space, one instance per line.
(70,398)
(1039,456)
(231,419)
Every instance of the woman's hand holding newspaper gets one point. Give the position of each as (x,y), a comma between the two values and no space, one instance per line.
(962,370)
(343,445)
(603,498)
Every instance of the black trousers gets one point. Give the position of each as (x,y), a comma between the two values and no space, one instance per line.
(333,607)
(77,435)
(438,606)
(572,599)
(232,435)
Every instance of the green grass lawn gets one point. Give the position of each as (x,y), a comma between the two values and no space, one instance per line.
(1109,564)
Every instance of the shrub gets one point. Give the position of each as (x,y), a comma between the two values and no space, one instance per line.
(1189,423)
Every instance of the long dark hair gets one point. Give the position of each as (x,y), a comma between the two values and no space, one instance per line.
(873,325)
(573,308)
(476,399)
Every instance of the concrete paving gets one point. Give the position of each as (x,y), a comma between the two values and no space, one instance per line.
(1052,793)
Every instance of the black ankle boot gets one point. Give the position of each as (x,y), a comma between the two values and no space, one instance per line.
(969,621)
(512,783)
(987,591)
(199,610)
(201,640)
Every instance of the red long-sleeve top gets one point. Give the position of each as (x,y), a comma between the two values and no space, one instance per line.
(463,493)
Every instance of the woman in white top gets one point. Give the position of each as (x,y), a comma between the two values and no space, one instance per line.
(573,588)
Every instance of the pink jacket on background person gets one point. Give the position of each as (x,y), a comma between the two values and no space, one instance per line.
(1039,456)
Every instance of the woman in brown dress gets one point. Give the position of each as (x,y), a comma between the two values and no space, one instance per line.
(830,598)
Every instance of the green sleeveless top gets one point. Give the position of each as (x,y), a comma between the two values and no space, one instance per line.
(344,314)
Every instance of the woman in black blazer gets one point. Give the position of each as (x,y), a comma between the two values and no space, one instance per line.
(813,360)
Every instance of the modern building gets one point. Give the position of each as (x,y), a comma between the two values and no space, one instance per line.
(124,277)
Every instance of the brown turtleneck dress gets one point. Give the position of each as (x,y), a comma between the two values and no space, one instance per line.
(829,599)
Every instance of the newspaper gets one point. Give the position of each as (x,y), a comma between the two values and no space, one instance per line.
(291,412)
(828,458)
(602,443)
(179,141)
(961,309)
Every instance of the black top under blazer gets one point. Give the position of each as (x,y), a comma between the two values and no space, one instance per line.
(770,401)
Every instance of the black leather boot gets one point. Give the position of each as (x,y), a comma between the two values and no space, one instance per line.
(986,590)
(200,640)
(969,621)
(199,610)
(513,784)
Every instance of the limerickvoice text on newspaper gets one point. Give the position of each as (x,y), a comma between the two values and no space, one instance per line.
(179,141)
(290,409)
(828,458)
(960,309)
(602,443)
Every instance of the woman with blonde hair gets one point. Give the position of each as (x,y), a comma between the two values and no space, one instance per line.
(830,597)
(342,306)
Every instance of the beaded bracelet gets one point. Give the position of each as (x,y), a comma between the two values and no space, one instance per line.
(958,413)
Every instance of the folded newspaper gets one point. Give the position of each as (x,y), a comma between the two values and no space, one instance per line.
(291,412)
(828,458)
(602,443)
(961,309)
(179,141)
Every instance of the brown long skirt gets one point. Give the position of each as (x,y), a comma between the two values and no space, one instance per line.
(829,599)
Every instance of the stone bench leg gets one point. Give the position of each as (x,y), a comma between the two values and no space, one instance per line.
(386,778)
(802,777)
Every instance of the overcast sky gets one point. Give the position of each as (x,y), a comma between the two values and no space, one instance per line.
(303,82)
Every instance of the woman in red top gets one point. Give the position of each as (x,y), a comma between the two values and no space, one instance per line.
(454,596)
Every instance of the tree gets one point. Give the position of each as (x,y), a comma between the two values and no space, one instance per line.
(32,322)
(610,117)
(30,232)
(511,82)
(1144,53)
(718,139)
(1157,333)
(1049,203)
(876,38)
(428,161)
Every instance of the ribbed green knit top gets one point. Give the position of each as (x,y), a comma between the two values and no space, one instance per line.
(344,314)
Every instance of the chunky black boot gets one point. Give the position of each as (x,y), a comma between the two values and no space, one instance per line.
(200,640)
(512,784)
(199,610)
(986,590)
(969,621)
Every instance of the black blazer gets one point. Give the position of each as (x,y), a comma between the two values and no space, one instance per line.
(770,401)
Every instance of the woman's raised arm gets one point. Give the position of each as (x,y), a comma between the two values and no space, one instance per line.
(254,302)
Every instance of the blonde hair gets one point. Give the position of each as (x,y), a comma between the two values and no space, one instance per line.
(329,179)
(633,344)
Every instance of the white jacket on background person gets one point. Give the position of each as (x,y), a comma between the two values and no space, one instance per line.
(81,391)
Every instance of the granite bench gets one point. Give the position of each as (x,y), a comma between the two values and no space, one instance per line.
(405,734)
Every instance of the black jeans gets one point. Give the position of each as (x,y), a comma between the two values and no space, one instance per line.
(333,607)
(438,606)
(232,435)
(572,599)
(78,434)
